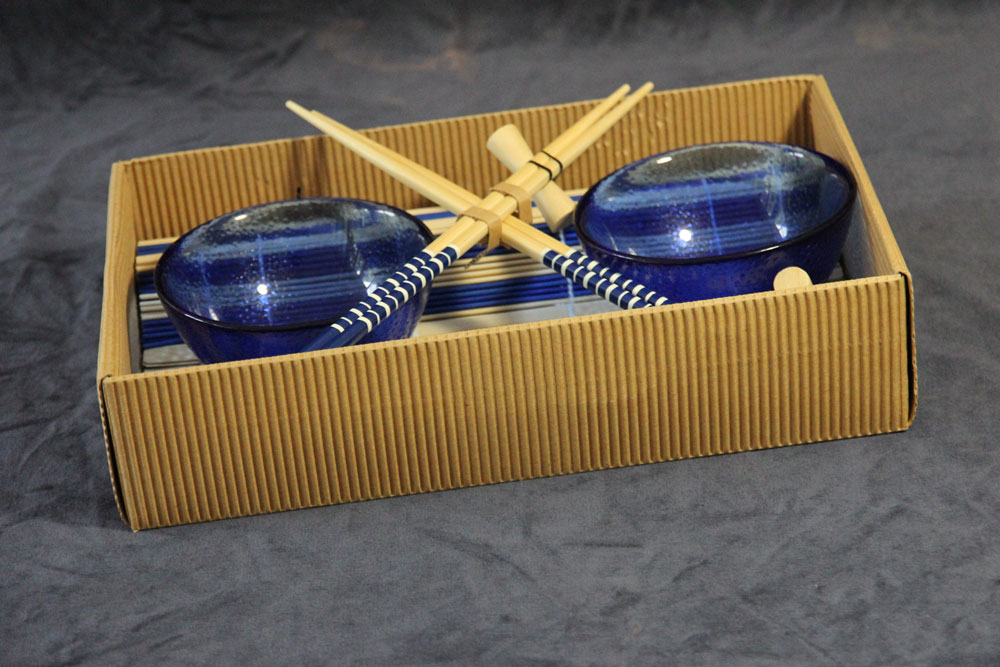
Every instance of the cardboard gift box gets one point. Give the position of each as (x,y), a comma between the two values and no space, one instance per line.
(505,403)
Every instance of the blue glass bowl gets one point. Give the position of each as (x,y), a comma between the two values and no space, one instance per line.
(268,279)
(719,219)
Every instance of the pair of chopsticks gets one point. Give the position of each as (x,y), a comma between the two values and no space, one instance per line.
(467,231)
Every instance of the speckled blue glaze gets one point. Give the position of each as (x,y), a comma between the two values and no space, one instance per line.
(719,219)
(266,280)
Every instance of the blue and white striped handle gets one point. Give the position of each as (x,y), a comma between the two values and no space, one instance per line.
(600,280)
(419,272)
(415,276)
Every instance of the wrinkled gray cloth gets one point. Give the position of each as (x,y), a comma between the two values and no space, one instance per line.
(873,550)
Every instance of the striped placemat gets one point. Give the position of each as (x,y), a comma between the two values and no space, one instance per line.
(503,287)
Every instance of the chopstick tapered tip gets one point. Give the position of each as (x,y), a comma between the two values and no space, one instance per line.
(297,108)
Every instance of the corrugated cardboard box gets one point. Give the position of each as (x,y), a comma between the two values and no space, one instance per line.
(507,403)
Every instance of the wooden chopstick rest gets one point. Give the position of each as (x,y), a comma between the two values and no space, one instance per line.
(509,146)
(791,277)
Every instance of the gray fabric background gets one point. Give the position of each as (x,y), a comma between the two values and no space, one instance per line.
(864,551)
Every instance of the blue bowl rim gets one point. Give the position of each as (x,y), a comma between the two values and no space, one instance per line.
(844,210)
(266,328)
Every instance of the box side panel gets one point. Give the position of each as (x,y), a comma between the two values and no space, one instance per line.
(770,109)
(117,350)
(832,138)
(514,403)
(180,190)
(872,248)
(114,355)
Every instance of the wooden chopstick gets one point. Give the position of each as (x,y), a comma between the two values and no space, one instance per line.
(524,238)
(467,231)
(448,194)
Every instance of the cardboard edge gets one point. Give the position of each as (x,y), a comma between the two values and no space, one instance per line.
(487,331)
(116,483)
(911,347)
(810,79)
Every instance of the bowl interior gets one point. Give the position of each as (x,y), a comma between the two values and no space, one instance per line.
(287,264)
(713,200)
